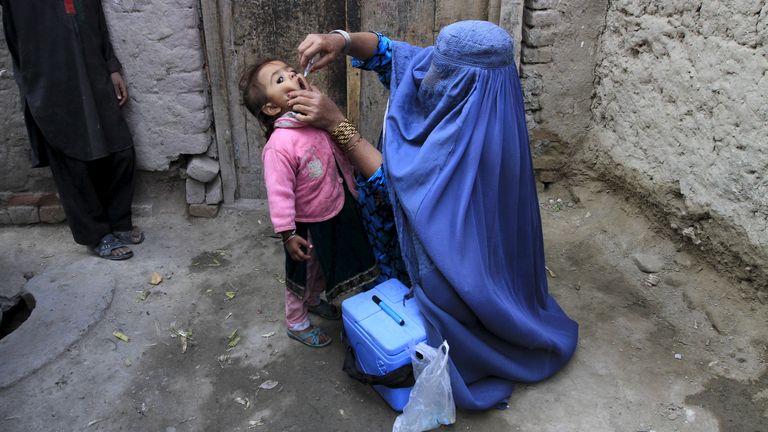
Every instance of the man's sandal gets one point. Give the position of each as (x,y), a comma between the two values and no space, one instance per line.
(311,337)
(134,236)
(326,310)
(107,246)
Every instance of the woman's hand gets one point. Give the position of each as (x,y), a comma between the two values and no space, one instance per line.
(328,47)
(295,246)
(121,90)
(315,108)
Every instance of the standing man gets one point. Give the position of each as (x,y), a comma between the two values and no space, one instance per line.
(72,91)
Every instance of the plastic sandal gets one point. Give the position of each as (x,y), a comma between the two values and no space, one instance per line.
(310,338)
(325,310)
(108,244)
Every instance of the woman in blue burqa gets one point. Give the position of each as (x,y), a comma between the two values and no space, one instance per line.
(456,171)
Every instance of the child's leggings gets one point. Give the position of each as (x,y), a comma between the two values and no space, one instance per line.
(297,309)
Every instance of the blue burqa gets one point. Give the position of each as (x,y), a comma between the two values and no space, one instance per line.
(460,175)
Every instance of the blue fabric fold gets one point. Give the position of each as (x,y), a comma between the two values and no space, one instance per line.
(461,182)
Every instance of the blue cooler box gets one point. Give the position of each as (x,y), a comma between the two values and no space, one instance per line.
(381,344)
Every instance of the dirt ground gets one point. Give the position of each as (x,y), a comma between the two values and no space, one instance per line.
(682,349)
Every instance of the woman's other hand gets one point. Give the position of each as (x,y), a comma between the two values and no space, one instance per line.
(315,108)
(328,47)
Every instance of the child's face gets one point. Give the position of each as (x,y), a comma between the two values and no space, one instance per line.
(278,79)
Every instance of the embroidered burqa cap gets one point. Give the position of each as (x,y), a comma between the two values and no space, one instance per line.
(459,170)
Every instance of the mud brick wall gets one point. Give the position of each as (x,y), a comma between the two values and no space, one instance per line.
(559,54)
(169,113)
(681,115)
(160,46)
(15,171)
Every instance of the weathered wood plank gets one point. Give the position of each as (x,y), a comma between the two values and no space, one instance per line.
(410,21)
(353,93)
(353,75)
(494,10)
(219,96)
(511,19)
(450,11)
(263,29)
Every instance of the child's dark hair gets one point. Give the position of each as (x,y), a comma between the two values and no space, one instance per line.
(254,96)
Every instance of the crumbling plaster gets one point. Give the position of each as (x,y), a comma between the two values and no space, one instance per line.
(681,116)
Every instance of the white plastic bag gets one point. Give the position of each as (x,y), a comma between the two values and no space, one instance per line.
(431,401)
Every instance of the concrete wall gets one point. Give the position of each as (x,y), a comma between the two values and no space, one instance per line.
(169,114)
(681,117)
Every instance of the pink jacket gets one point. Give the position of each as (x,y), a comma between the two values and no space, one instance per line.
(303,184)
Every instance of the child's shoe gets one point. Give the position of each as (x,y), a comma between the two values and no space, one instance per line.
(313,337)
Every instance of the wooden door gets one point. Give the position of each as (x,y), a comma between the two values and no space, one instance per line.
(239,32)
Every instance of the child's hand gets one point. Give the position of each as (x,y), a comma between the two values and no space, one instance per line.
(328,46)
(296,246)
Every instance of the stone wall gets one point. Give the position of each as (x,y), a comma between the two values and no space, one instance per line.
(169,113)
(681,118)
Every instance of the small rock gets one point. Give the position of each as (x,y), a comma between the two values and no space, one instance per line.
(213,191)
(648,263)
(268,384)
(762,297)
(195,191)
(715,318)
(202,168)
(674,281)
(29,275)
(683,261)
(690,232)
(678,356)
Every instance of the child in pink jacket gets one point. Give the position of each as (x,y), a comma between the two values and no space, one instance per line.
(311,194)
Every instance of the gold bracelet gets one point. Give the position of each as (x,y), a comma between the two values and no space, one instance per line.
(343,133)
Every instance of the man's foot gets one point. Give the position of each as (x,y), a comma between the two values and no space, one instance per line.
(313,337)
(112,249)
(134,236)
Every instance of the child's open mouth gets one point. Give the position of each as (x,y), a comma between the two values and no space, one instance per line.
(302,83)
